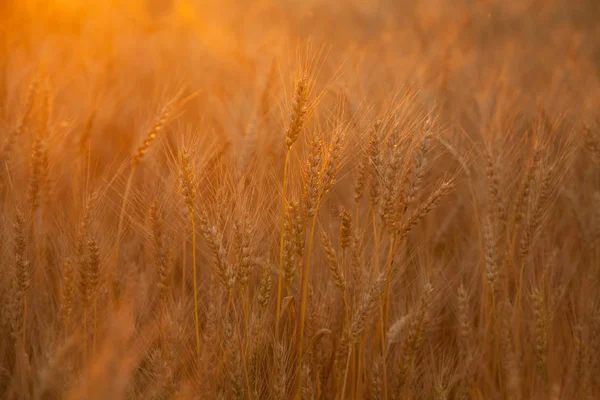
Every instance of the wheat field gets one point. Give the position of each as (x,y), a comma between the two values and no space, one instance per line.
(291,199)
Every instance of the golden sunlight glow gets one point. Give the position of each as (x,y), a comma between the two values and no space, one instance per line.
(299,199)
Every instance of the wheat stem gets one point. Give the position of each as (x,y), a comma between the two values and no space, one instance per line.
(281,240)
(346,372)
(303,301)
(193,222)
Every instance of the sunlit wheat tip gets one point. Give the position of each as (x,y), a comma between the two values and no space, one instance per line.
(298,113)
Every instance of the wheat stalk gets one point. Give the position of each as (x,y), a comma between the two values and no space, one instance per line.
(188,190)
(297,121)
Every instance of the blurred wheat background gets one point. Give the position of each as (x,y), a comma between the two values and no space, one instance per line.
(299,199)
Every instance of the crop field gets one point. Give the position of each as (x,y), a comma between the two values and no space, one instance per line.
(286,199)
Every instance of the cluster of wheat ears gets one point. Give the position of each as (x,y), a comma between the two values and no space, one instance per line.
(183,219)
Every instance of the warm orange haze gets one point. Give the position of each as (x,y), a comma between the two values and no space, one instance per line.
(292,199)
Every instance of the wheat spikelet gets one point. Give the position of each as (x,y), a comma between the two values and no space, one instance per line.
(92,281)
(356,262)
(493,181)
(186,181)
(224,269)
(416,327)
(89,278)
(332,164)
(376,380)
(313,309)
(298,113)
(441,390)
(158,126)
(367,308)
(424,208)
(264,291)
(492,272)
(244,261)
(291,245)
(525,190)
(332,263)
(464,323)
(298,232)
(89,275)
(578,357)
(311,187)
(67,292)
(413,184)
(342,355)
(536,218)
(375,162)
(395,332)
(389,208)
(540,317)
(362,174)
(39,172)
(345,230)
(22,281)
(93,273)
